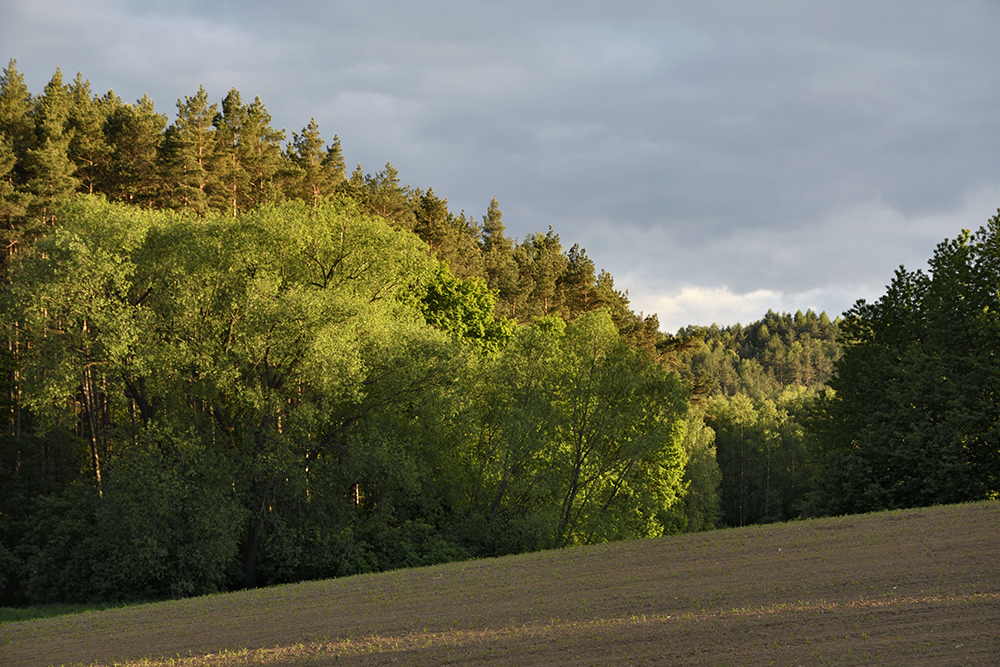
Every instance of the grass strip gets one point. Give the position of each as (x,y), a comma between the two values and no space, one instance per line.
(376,644)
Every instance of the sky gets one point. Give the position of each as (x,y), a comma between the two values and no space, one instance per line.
(719,158)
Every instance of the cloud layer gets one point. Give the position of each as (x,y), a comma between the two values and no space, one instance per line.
(718,160)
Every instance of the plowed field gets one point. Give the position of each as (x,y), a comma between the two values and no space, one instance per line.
(916,587)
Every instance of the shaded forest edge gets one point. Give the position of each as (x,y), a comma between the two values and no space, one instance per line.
(229,363)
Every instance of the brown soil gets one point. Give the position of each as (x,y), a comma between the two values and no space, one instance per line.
(918,587)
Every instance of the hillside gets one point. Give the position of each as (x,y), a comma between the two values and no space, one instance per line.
(914,587)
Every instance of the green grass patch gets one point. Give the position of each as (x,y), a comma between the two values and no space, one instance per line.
(15,614)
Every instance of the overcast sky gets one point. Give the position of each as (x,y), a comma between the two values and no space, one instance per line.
(718,159)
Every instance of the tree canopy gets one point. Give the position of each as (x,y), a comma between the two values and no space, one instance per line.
(228,363)
(914,418)
(303,390)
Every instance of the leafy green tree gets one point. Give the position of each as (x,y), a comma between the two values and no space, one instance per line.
(702,477)
(165,526)
(579,439)
(760,450)
(75,316)
(465,309)
(913,420)
(274,354)
(506,482)
(620,432)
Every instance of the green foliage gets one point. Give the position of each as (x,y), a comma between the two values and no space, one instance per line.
(913,420)
(189,157)
(49,170)
(313,172)
(453,239)
(61,547)
(465,309)
(226,157)
(384,195)
(170,526)
(765,356)
(290,394)
(272,347)
(758,384)
(88,149)
(761,454)
(702,477)
(249,156)
(579,438)
(162,525)
(134,132)
(354,380)
(540,263)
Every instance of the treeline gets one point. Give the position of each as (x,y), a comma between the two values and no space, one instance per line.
(226,158)
(228,363)
(764,357)
(760,382)
(302,391)
(913,419)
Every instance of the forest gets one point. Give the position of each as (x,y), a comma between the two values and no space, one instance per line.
(229,363)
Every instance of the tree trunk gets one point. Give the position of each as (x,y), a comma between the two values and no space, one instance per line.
(90,409)
(250,576)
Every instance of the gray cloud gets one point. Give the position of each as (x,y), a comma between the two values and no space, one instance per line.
(719,159)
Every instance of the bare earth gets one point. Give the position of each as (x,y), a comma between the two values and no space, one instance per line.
(917,587)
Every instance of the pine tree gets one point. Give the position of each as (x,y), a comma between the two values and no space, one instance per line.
(10,208)
(260,146)
(453,239)
(232,181)
(493,229)
(50,172)
(316,172)
(88,148)
(576,284)
(542,259)
(188,155)
(249,152)
(463,251)
(498,260)
(384,195)
(16,131)
(432,219)
(135,133)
